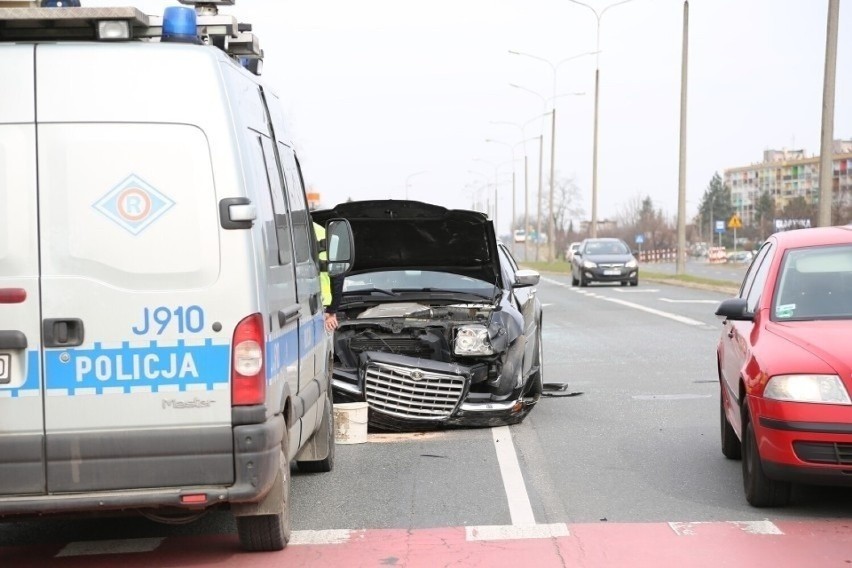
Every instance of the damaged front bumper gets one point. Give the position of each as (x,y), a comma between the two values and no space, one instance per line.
(413,393)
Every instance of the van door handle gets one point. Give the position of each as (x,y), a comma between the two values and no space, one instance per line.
(287,315)
(12,339)
(66,332)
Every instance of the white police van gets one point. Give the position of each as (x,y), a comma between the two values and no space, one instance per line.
(161,331)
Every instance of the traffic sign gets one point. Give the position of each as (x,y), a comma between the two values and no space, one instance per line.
(720,227)
(734,222)
(640,239)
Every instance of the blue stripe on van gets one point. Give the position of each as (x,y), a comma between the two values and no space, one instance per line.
(158,367)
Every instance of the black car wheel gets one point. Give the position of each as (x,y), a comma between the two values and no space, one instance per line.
(731,446)
(583,281)
(634,282)
(574,281)
(760,491)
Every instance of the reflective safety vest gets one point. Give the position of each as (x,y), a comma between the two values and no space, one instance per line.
(325,281)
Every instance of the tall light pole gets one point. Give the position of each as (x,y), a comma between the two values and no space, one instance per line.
(826,146)
(512,148)
(598,16)
(408,180)
(551,220)
(680,267)
(488,209)
(554,67)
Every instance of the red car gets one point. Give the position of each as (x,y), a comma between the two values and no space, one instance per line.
(785,365)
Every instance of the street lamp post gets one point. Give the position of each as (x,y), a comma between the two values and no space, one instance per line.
(598,16)
(526,208)
(408,180)
(554,67)
(488,208)
(544,100)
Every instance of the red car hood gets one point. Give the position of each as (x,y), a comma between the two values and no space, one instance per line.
(829,340)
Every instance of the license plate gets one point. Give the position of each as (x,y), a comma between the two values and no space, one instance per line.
(5,367)
(612,272)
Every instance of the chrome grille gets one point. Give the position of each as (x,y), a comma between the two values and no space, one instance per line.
(407,392)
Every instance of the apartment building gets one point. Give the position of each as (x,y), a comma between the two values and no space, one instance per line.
(786,174)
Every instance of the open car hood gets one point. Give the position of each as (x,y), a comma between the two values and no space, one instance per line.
(412,235)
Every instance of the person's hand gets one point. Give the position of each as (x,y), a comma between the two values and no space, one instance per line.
(330,321)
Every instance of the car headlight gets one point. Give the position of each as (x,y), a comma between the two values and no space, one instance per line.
(632,263)
(825,389)
(589,264)
(472,340)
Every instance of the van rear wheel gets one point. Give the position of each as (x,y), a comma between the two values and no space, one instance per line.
(269,532)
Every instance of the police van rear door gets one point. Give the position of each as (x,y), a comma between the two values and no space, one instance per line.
(136,320)
(21,418)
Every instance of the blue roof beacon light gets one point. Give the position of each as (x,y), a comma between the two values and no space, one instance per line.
(60,3)
(179,25)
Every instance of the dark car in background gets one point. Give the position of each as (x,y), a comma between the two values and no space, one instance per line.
(785,365)
(438,324)
(604,260)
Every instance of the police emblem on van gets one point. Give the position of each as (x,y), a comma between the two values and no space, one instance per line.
(133,204)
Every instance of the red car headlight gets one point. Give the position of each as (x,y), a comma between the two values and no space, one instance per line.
(822,389)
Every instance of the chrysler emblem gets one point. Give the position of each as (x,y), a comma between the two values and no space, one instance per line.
(416,375)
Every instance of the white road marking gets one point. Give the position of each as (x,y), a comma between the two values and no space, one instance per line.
(635,290)
(123,546)
(520,509)
(332,536)
(671,301)
(513,532)
(765,527)
(670,396)
(671,316)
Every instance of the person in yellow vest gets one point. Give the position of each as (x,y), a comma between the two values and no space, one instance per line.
(330,288)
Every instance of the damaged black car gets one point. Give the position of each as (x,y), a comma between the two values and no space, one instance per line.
(438,324)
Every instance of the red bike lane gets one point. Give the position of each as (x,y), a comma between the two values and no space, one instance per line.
(637,545)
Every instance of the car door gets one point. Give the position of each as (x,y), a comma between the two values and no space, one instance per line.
(736,336)
(21,393)
(135,332)
(525,299)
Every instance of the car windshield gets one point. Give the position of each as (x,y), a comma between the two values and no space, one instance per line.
(400,281)
(815,283)
(606,247)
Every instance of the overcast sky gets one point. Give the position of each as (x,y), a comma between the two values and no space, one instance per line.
(379,91)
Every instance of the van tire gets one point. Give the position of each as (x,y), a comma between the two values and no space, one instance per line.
(324,436)
(270,532)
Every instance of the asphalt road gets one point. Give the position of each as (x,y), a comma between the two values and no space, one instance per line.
(636,447)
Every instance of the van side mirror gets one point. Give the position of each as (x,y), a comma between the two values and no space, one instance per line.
(341,246)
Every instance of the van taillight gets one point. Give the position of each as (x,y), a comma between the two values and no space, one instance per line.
(248,377)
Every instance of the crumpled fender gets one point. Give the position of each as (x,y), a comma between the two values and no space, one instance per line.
(511,375)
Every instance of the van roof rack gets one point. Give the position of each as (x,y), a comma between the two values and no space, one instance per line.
(26,21)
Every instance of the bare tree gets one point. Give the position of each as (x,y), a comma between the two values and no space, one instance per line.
(566,207)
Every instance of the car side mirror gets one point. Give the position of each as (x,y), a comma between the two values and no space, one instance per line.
(341,246)
(526,278)
(578,254)
(735,309)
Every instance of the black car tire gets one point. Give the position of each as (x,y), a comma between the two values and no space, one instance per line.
(731,446)
(623,282)
(270,532)
(634,282)
(583,282)
(574,281)
(760,491)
